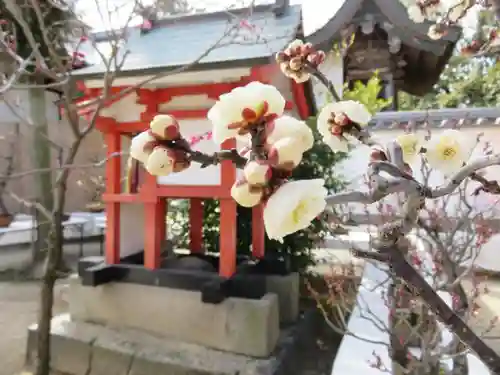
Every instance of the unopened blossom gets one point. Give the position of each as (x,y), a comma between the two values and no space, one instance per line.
(410,145)
(237,111)
(141,146)
(246,195)
(293,207)
(165,127)
(285,153)
(257,172)
(336,120)
(289,127)
(297,58)
(448,151)
(160,162)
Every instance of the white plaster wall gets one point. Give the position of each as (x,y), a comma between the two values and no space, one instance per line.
(131,228)
(125,110)
(19,99)
(353,169)
(195,175)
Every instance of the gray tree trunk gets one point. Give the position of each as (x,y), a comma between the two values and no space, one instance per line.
(41,160)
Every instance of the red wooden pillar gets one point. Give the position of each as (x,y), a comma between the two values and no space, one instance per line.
(196,225)
(258,232)
(154,229)
(155,211)
(228,225)
(113,174)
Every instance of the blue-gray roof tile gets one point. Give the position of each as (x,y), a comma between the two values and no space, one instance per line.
(180,41)
(436,118)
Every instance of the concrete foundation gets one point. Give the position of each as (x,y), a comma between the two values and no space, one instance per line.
(243,326)
(79,348)
(287,288)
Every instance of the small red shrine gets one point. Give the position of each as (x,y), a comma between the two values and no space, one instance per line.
(244,56)
(155,298)
(187,96)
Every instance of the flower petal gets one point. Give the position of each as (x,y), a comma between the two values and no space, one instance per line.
(289,127)
(293,207)
(138,146)
(336,144)
(231,108)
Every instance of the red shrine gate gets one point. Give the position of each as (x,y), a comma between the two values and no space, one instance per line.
(154,196)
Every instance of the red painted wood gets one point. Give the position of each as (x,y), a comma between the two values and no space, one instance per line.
(196,225)
(228,224)
(187,191)
(258,232)
(228,237)
(154,229)
(300,99)
(113,169)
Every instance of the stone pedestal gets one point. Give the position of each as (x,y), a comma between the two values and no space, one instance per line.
(79,348)
(287,288)
(243,326)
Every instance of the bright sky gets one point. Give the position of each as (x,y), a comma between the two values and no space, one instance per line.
(101,14)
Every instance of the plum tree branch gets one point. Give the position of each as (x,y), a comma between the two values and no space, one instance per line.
(391,235)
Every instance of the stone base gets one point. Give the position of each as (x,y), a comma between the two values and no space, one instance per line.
(79,348)
(244,326)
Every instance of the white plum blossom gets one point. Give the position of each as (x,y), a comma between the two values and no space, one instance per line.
(257,172)
(140,146)
(160,162)
(285,153)
(411,145)
(287,126)
(239,109)
(334,121)
(245,194)
(293,207)
(336,143)
(448,151)
(164,127)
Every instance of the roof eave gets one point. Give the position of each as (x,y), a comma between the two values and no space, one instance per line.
(414,34)
(164,71)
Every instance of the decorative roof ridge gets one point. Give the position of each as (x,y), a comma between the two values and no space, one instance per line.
(437,118)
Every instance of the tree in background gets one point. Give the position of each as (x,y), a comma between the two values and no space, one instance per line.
(465,82)
(24,25)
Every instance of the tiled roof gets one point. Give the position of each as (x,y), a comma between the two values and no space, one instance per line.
(178,41)
(436,118)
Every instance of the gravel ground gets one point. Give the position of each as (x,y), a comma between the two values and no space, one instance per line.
(19,305)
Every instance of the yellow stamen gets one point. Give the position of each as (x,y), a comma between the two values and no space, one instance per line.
(299,211)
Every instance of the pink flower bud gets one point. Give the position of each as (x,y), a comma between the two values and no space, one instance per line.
(257,172)
(165,127)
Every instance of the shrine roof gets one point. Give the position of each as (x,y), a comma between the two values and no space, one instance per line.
(436,118)
(178,41)
(392,15)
